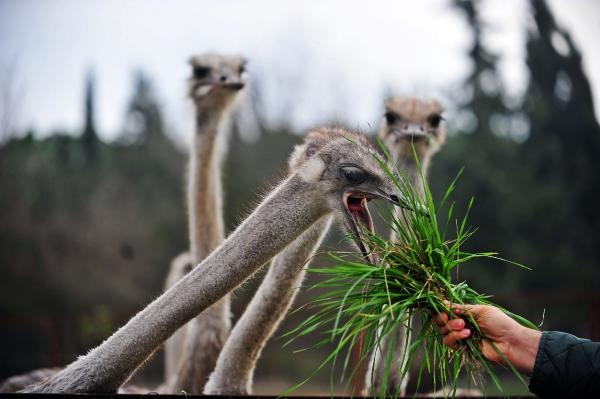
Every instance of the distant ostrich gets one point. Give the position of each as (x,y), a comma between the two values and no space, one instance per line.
(409,122)
(413,122)
(338,176)
(214,87)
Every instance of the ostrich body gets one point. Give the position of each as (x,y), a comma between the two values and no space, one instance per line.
(409,122)
(339,177)
(18,382)
(234,372)
(214,87)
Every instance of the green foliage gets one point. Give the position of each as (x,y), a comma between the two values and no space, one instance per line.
(365,303)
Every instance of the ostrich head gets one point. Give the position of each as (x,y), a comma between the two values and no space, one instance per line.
(342,166)
(216,80)
(412,121)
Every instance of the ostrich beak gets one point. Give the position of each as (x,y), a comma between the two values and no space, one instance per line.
(232,85)
(402,202)
(203,88)
(358,217)
(412,130)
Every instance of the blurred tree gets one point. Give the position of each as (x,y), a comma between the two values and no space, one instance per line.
(143,122)
(89,136)
(490,159)
(481,97)
(533,169)
(563,157)
(11,96)
(87,241)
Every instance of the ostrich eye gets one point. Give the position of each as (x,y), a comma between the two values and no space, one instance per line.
(242,69)
(353,174)
(434,120)
(200,72)
(390,118)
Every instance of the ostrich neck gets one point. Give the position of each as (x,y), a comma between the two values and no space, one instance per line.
(289,210)
(207,229)
(234,371)
(411,168)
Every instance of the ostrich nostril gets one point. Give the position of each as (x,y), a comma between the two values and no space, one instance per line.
(421,128)
(223,78)
(395,198)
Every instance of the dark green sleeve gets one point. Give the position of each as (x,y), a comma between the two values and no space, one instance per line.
(566,367)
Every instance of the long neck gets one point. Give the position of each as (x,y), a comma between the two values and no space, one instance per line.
(281,217)
(234,371)
(189,354)
(205,191)
(409,166)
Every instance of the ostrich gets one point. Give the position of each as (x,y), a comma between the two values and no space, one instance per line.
(409,122)
(234,372)
(339,175)
(215,85)
(413,122)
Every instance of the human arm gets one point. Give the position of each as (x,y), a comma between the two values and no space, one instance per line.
(566,367)
(561,365)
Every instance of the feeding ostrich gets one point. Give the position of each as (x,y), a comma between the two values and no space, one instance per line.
(338,176)
(214,86)
(409,123)
(234,372)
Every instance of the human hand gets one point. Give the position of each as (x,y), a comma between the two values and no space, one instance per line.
(505,339)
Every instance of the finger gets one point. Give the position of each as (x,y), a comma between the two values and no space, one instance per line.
(452,325)
(454,337)
(456,324)
(440,319)
(461,309)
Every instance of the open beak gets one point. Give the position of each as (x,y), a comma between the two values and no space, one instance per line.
(359,219)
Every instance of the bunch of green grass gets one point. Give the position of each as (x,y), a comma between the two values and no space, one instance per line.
(364,302)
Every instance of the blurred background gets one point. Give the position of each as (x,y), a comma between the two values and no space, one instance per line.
(94,130)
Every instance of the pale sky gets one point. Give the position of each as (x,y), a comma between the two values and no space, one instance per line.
(317,61)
